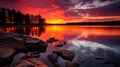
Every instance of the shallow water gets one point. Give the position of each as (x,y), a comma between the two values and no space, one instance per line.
(85,41)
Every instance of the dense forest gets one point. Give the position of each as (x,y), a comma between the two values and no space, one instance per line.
(13,17)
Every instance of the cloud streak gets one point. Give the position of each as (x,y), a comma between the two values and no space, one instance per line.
(89,4)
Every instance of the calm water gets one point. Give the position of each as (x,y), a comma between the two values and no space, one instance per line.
(85,41)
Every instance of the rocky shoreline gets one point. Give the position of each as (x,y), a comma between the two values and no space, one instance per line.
(18,50)
(12,44)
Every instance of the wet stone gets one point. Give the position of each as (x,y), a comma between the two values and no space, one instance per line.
(53,58)
(72,64)
(31,62)
(65,54)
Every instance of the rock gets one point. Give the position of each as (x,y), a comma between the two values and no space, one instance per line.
(31,55)
(57,65)
(6,52)
(36,56)
(116,64)
(16,42)
(72,64)
(53,58)
(6,55)
(31,62)
(31,40)
(36,52)
(11,44)
(51,40)
(19,39)
(108,62)
(6,66)
(103,60)
(80,60)
(61,43)
(40,46)
(99,58)
(17,58)
(65,54)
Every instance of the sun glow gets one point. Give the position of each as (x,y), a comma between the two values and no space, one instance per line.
(55,21)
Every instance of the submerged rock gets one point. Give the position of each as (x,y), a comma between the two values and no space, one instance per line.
(72,64)
(103,60)
(65,54)
(61,43)
(107,62)
(99,58)
(31,62)
(51,40)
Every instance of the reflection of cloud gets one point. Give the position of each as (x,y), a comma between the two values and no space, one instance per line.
(91,46)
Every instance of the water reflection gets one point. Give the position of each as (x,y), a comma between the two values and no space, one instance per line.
(102,34)
(85,41)
(27,30)
(61,31)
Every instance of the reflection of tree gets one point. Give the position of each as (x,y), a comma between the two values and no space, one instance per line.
(28,30)
(41,29)
(19,30)
(37,31)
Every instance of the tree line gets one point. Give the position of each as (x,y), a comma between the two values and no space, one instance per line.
(11,16)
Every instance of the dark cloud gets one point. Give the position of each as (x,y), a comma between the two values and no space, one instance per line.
(12,1)
(110,10)
(63,4)
(71,13)
(9,1)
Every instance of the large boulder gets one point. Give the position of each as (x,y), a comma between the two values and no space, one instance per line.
(65,54)
(35,45)
(31,62)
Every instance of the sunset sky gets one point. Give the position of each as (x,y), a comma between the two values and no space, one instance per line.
(63,11)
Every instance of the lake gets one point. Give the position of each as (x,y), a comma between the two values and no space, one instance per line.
(85,41)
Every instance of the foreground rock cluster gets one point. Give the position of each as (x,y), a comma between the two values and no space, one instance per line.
(65,54)
(12,44)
